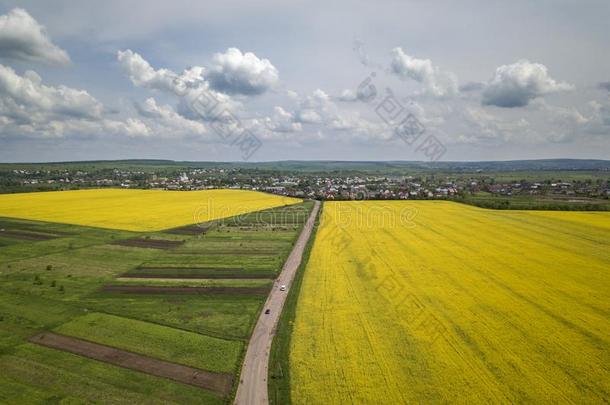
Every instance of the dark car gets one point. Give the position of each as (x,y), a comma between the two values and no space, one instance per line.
(267,311)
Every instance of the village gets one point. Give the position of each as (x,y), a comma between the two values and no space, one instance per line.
(328,186)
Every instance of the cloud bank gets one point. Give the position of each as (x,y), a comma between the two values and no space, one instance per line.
(22,38)
(30,108)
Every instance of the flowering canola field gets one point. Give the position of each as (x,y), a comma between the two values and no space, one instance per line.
(431,301)
(136,210)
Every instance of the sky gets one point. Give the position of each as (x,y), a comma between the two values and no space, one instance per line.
(304,80)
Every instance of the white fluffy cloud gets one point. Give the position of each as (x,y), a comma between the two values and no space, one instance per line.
(23,38)
(436,82)
(189,85)
(142,74)
(517,84)
(316,108)
(283,121)
(168,120)
(361,94)
(30,108)
(319,110)
(237,73)
(131,127)
(308,116)
(234,72)
(27,96)
(543,123)
(486,127)
(348,95)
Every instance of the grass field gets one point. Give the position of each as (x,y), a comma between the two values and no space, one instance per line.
(162,342)
(54,283)
(438,302)
(34,375)
(181,282)
(136,210)
(536,202)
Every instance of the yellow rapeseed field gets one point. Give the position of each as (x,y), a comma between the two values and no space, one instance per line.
(136,210)
(437,302)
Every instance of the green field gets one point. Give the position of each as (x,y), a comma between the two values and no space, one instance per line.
(162,342)
(206,282)
(535,202)
(52,276)
(34,374)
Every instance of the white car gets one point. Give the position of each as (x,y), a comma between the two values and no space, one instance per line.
(283,288)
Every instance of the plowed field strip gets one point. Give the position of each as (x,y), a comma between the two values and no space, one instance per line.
(24,235)
(217,382)
(250,276)
(185,290)
(150,243)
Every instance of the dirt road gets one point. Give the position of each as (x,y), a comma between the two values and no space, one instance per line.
(252,389)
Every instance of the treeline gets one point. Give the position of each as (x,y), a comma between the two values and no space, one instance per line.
(546,206)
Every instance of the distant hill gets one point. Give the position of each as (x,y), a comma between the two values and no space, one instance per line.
(339,166)
(512,165)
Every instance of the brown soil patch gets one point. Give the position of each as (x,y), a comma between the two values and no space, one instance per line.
(24,235)
(220,383)
(149,243)
(227,253)
(171,267)
(191,229)
(54,232)
(178,275)
(137,289)
(19,226)
(196,273)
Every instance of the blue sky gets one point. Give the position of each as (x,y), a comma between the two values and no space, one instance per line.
(485,80)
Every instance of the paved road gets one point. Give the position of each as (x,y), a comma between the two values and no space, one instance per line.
(252,389)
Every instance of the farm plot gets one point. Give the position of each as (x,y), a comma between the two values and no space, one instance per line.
(248,246)
(25,235)
(437,302)
(225,316)
(36,374)
(162,342)
(194,282)
(203,290)
(65,237)
(192,344)
(136,210)
(215,382)
(197,273)
(150,243)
